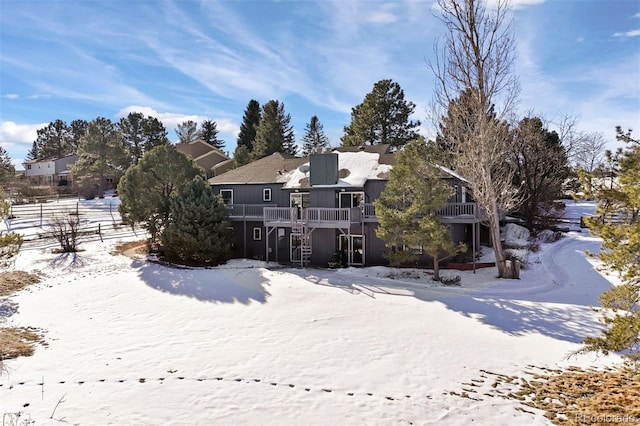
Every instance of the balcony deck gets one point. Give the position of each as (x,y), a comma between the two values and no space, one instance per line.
(327,217)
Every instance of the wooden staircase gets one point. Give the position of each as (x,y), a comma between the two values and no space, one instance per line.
(299,227)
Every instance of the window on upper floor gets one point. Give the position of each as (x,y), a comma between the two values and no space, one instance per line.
(227,196)
(299,199)
(266,194)
(351,199)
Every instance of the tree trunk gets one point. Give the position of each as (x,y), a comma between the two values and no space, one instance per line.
(436,269)
(494,225)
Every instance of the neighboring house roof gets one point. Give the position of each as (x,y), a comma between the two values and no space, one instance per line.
(205,155)
(450,172)
(264,170)
(48,159)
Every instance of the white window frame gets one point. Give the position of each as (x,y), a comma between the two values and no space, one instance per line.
(352,195)
(266,194)
(230,198)
(257,234)
(301,195)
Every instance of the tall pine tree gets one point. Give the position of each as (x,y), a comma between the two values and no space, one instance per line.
(142,134)
(314,137)
(53,141)
(209,134)
(407,209)
(101,153)
(7,171)
(618,225)
(541,167)
(247,135)
(147,188)
(250,121)
(382,118)
(274,133)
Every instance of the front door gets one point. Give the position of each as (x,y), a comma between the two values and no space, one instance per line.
(352,248)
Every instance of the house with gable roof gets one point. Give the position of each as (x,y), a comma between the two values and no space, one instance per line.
(211,159)
(52,171)
(307,211)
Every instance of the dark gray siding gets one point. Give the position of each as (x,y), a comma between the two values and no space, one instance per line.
(373,189)
(323,197)
(324,245)
(252,193)
(374,248)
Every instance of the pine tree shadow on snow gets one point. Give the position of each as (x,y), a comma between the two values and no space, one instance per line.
(208,285)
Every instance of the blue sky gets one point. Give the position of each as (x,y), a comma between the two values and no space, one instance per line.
(180,60)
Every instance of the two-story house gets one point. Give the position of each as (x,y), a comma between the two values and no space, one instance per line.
(308,210)
(50,171)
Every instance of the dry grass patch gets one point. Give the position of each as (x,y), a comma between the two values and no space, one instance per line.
(19,341)
(13,281)
(575,396)
(132,247)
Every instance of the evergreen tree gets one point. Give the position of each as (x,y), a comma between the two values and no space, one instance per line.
(541,167)
(274,133)
(155,134)
(77,130)
(458,124)
(131,127)
(101,153)
(382,118)
(198,231)
(146,189)
(34,152)
(314,137)
(241,156)
(7,171)
(250,121)
(187,131)
(141,134)
(209,134)
(10,242)
(407,208)
(618,225)
(53,141)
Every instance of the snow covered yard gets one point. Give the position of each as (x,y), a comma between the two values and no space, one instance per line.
(133,342)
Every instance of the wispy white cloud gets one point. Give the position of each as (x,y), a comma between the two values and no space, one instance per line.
(384,15)
(12,133)
(11,96)
(228,128)
(628,34)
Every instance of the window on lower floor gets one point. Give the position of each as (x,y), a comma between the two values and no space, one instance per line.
(257,234)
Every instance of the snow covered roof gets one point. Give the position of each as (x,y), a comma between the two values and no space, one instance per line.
(354,169)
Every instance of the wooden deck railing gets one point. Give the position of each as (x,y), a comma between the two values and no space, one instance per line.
(319,215)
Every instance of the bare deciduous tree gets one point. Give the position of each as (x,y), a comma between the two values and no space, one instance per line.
(590,151)
(477,56)
(66,230)
(570,137)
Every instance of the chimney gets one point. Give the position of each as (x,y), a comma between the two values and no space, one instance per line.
(323,169)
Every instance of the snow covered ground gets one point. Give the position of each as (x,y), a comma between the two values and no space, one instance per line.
(133,342)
